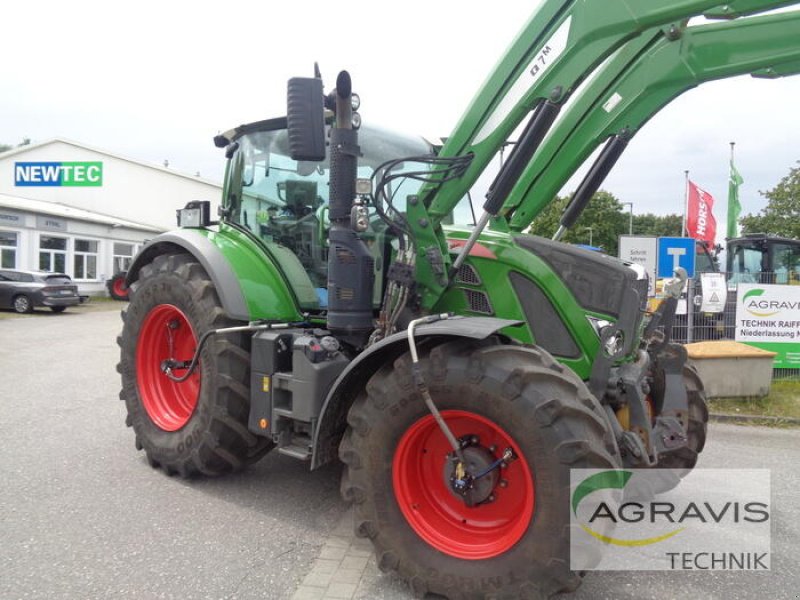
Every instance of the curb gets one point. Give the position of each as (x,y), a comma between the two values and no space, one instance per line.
(753,419)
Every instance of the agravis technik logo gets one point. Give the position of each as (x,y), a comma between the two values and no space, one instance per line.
(662,519)
(761,307)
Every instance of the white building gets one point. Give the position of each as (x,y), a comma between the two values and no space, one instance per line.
(86,212)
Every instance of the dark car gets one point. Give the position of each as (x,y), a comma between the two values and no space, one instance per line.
(23,290)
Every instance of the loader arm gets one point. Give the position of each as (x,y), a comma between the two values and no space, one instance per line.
(561,44)
(639,81)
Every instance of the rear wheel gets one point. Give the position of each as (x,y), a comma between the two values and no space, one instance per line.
(23,304)
(198,425)
(117,288)
(511,540)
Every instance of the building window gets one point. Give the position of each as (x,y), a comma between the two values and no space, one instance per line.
(123,256)
(52,254)
(85,259)
(8,250)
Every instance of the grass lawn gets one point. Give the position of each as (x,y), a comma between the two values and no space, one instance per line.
(783,401)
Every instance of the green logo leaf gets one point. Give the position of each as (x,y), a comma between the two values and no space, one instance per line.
(600,481)
(751,293)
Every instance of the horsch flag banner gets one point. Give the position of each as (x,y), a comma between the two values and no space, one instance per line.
(700,222)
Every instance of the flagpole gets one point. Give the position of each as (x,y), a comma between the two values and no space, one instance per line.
(729,174)
(685,203)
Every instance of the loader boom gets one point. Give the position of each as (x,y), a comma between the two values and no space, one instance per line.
(556,50)
(559,47)
(640,80)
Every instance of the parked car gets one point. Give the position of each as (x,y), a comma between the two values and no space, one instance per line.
(24,290)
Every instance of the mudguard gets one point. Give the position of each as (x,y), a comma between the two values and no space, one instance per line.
(332,420)
(250,286)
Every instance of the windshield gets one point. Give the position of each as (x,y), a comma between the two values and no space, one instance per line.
(272,185)
(745,262)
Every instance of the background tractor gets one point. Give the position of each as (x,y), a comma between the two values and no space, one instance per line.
(458,371)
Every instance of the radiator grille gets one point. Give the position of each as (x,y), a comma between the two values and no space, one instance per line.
(478,301)
(467,274)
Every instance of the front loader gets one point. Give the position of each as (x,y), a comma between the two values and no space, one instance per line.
(458,371)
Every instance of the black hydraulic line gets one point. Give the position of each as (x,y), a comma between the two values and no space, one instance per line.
(170,364)
(594,178)
(538,126)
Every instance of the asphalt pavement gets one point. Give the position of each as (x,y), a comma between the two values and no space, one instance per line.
(82,515)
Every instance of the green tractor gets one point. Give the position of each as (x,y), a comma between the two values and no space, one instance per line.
(334,311)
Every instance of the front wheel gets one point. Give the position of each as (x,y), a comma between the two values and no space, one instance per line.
(196,426)
(511,538)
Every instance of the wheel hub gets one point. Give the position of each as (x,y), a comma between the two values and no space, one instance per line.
(470,488)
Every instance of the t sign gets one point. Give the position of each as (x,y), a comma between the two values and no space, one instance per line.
(673,253)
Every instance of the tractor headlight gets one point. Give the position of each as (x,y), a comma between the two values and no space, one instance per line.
(598,324)
(194,214)
(612,341)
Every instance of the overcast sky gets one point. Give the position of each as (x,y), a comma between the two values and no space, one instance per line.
(156,80)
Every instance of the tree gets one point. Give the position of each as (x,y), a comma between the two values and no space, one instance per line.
(6,147)
(657,225)
(603,220)
(781,216)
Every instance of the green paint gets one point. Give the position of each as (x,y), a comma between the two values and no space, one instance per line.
(787,353)
(267,293)
(81,174)
(495,282)
(600,481)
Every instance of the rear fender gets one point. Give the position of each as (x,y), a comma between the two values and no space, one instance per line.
(332,420)
(249,284)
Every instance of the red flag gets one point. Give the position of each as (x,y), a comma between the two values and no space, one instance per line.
(700,221)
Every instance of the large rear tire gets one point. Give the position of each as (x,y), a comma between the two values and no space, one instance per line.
(516,543)
(198,426)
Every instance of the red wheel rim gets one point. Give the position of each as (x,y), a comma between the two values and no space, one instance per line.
(436,514)
(166,333)
(119,288)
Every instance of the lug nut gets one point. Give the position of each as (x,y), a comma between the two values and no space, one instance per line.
(503,483)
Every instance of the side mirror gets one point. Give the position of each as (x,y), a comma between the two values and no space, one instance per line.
(306,119)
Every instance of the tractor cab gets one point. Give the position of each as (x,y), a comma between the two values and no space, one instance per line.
(762,258)
(284,203)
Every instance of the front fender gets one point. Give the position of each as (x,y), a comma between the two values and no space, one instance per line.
(250,286)
(332,420)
